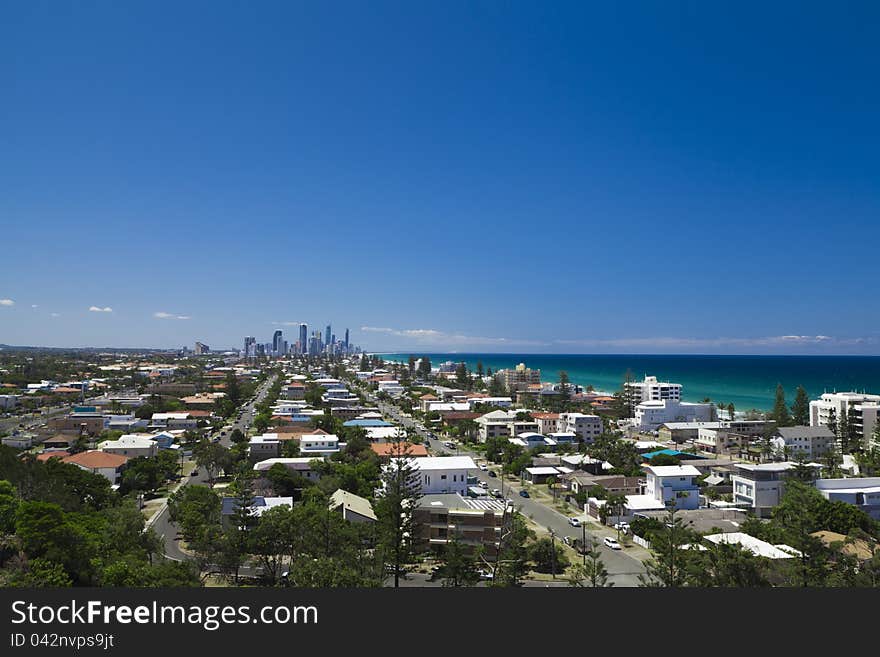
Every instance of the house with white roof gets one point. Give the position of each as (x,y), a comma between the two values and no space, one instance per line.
(321,444)
(861,492)
(586,427)
(131,445)
(443,474)
(673,484)
(754,545)
(352,507)
(265,446)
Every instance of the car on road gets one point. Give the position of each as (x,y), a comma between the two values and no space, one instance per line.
(622,527)
(496,492)
(483,485)
(492,473)
(574,522)
(194,473)
(449,444)
(485,574)
(483,467)
(524,493)
(611,543)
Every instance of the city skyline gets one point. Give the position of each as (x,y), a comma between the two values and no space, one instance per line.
(438,177)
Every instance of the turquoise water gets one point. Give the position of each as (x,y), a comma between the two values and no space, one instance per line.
(746,381)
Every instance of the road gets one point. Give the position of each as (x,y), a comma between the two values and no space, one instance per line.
(623,569)
(161,522)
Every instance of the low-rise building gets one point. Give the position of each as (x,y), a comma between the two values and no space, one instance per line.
(265,446)
(760,486)
(862,492)
(131,445)
(352,507)
(472,522)
(808,442)
(443,474)
(586,427)
(673,484)
(102,463)
(650,415)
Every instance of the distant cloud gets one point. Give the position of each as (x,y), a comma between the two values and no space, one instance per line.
(33,305)
(164,315)
(286,323)
(54,314)
(437,337)
(7,302)
(98,309)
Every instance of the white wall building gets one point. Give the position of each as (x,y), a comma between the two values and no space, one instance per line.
(586,427)
(837,404)
(321,444)
(651,389)
(131,445)
(650,415)
(443,474)
(673,484)
(862,492)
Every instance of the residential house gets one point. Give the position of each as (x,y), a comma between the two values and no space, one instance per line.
(103,463)
(673,484)
(352,507)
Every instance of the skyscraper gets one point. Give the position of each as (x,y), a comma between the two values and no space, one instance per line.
(276,342)
(327,335)
(346,339)
(250,346)
(304,338)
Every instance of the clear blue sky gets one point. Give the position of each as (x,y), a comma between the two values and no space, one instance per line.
(655,177)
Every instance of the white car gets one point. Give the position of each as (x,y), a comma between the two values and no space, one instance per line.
(611,543)
(574,522)
(483,467)
(483,484)
(622,526)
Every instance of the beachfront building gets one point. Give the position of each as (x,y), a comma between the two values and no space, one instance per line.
(650,415)
(472,522)
(519,378)
(650,389)
(836,405)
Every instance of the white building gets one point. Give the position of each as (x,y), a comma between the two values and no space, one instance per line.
(837,404)
(809,442)
(503,423)
(760,486)
(300,465)
(754,545)
(173,421)
(861,492)
(636,392)
(650,415)
(392,388)
(443,474)
(321,444)
(586,427)
(131,445)
(673,484)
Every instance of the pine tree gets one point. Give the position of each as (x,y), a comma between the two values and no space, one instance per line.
(564,390)
(800,410)
(669,565)
(480,368)
(780,410)
(832,421)
(401,490)
(731,410)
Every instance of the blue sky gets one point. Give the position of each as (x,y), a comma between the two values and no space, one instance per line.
(653,178)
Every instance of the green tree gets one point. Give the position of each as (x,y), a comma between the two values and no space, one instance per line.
(800,410)
(512,563)
(669,565)
(780,410)
(548,556)
(459,564)
(398,528)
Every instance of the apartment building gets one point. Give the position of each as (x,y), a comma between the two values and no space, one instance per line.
(759,486)
(651,415)
(809,442)
(443,474)
(838,404)
(586,427)
(519,378)
(442,518)
(861,492)
(503,423)
(650,389)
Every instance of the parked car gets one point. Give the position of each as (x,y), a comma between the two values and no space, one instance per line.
(622,526)
(566,540)
(574,522)
(524,493)
(496,492)
(611,543)
(492,473)
(483,467)
(483,484)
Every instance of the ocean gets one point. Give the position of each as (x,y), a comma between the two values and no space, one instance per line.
(749,382)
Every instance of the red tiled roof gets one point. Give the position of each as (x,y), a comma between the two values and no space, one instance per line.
(45,456)
(96,459)
(392,449)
